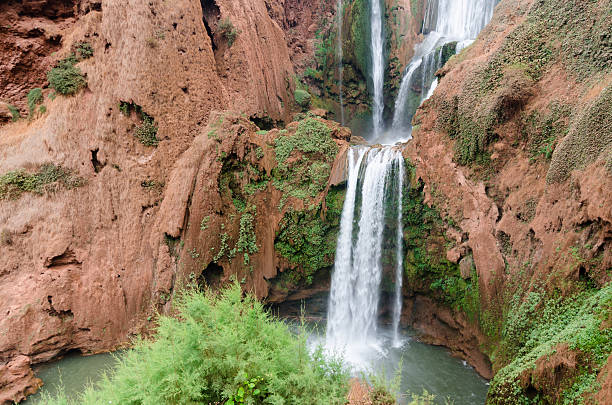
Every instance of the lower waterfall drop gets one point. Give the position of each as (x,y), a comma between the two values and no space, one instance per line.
(352,325)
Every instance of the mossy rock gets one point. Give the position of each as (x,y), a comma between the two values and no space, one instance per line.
(302,98)
(590,136)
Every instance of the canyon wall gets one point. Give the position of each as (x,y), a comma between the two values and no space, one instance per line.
(514,153)
(92,242)
(179,163)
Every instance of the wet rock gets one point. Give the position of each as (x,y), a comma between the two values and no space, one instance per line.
(466,265)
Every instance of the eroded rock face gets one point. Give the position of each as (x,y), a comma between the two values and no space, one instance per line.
(17,380)
(483,147)
(108,243)
(30,31)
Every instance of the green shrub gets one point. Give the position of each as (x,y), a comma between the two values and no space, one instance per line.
(65,77)
(227,29)
(15,115)
(221,348)
(302,98)
(312,136)
(84,50)
(34,97)
(14,183)
(146,132)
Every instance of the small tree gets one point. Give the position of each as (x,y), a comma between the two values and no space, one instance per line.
(227,29)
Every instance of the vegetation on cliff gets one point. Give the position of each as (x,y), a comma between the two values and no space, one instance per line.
(273,191)
(570,33)
(48,178)
(426,268)
(307,239)
(222,348)
(539,329)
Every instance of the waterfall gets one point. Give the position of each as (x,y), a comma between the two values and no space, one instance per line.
(339,311)
(445,21)
(378,65)
(339,57)
(355,290)
(402,95)
(463,19)
(372,207)
(399,255)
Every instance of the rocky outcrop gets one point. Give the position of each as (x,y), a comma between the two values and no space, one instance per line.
(442,326)
(497,148)
(108,244)
(17,380)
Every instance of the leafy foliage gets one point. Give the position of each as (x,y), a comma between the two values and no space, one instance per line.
(15,115)
(307,241)
(536,324)
(146,132)
(14,183)
(84,50)
(34,97)
(221,349)
(312,136)
(65,77)
(227,29)
(307,174)
(247,241)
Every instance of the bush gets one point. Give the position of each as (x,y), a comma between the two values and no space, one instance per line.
(14,183)
(34,97)
(227,29)
(84,50)
(146,132)
(312,136)
(302,98)
(221,349)
(65,77)
(14,112)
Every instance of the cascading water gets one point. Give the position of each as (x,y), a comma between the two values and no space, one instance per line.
(399,255)
(446,22)
(378,65)
(353,305)
(339,57)
(375,180)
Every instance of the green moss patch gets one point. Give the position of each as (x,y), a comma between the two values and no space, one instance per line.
(48,178)
(589,137)
(307,239)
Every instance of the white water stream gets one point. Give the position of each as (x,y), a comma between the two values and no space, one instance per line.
(375,183)
(445,21)
(353,305)
(378,65)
